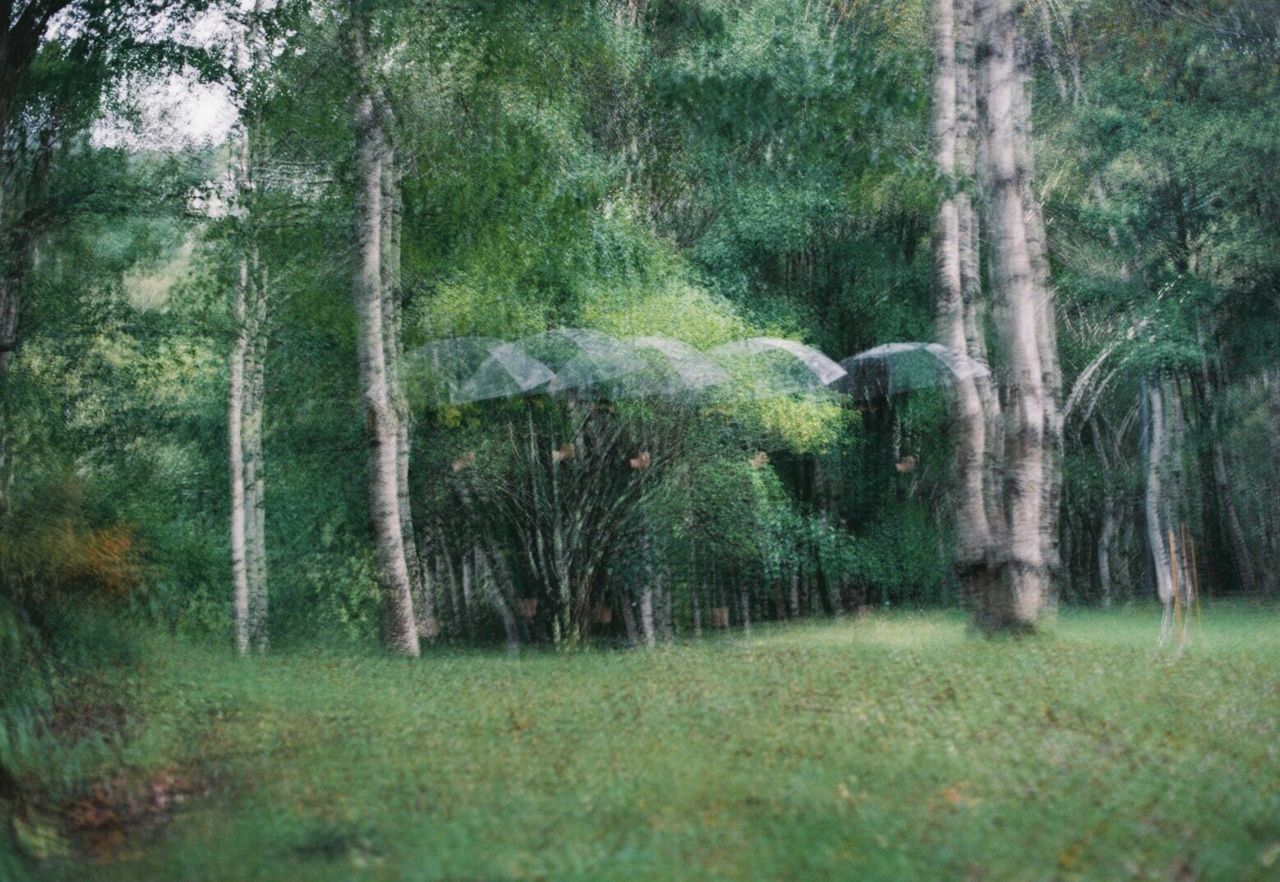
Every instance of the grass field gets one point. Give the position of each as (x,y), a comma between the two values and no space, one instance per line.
(897,748)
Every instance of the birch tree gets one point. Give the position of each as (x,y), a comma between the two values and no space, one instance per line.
(382,423)
(1007,462)
(248,358)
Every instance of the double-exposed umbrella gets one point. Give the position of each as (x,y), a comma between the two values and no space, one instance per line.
(467,369)
(895,368)
(471,369)
(774,366)
(640,366)
(583,358)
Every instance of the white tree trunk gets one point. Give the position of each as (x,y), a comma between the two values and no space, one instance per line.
(235,447)
(248,374)
(1015,600)
(647,629)
(1157,526)
(392,216)
(400,632)
(958,285)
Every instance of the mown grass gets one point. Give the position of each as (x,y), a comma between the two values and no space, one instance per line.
(896,748)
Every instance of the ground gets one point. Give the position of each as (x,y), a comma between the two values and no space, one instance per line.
(895,747)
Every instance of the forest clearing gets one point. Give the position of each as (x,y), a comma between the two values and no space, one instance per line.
(639,439)
(891,746)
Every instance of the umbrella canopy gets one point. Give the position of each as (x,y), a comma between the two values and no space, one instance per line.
(644,366)
(895,368)
(674,368)
(467,369)
(582,358)
(773,366)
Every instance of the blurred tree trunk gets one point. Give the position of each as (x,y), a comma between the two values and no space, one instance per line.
(235,446)
(1165,497)
(392,224)
(1107,532)
(21,35)
(400,631)
(1018,275)
(248,363)
(1008,460)
(958,287)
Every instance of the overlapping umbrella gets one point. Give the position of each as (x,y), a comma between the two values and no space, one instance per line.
(895,368)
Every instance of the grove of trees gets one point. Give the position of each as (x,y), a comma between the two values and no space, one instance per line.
(217,412)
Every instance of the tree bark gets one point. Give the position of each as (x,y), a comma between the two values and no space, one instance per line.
(1106,535)
(235,448)
(1154,507)
(400,631)
(1014,600)
(248,370)
(392,217)
(958,286)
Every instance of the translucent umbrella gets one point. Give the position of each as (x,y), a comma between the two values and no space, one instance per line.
(468,369)
(674,368)
(773,366)
(895,368)
(582,358)
(641,366)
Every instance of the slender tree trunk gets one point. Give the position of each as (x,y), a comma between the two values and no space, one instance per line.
(400,632)
(793,597)
(248,371)
(468,601)
(646,615)
(235,447)
(647,591)
(499,599)
(1156,442)
(254,473)
(1106,535)
(392,217)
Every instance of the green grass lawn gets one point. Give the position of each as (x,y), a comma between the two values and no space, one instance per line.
(898,748)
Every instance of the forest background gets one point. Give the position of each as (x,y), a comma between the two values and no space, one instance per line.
(699,169)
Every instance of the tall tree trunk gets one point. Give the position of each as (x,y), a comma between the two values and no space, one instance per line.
(647,628)
(958,286)
(400,632)
(468,601)
(1156,442)
(235,447)
(392,218)
(1015,600)
(647,590)
(248,369)
(1106,535)
(254,474)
